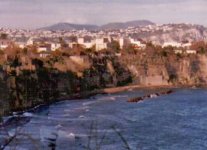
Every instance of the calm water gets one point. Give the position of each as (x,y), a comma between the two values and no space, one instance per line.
(173,122)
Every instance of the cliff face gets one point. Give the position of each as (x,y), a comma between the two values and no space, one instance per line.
(170,70)
(58,76)
(27,82)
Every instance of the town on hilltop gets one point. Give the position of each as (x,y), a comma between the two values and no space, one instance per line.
(179,36)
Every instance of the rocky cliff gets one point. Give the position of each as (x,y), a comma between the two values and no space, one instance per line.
(30,81)
(168,70)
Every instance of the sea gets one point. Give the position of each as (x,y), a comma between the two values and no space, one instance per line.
(177,121)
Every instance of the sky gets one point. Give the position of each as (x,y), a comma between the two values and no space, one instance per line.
(33,14)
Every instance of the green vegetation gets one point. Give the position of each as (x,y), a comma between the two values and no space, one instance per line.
(29,79)
(200,47)
(3,36)
(114,46)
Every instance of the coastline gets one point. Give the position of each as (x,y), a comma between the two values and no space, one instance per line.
(87,94)
(111,90)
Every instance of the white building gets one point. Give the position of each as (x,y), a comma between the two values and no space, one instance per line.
(55,46)
(173,44)
(80,40)
(86,43)
(72,44)
(30,41)
(178,51)
(188,45)
(101,43)
(137,43)
(121,43)
(41,49)
(190,51)
(44,48)
(44,54)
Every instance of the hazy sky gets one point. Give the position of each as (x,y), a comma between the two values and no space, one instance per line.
(38,13)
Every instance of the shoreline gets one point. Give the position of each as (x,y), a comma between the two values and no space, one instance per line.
(110,90)
(88,94)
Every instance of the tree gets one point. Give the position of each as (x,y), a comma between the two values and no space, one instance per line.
(130,49)
(3,36)
(114,46)
(164,53)
(63,43)
(200,47)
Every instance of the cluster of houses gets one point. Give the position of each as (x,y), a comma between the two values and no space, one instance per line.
(47,41)
(46,45)
(186,45)
(52,44)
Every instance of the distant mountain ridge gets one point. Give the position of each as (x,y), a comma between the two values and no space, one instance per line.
(159,34)
(116,25)
(70,26)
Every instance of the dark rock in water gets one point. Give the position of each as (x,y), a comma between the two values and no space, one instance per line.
(154,95)
(158,94)
(166,92)
(137,99)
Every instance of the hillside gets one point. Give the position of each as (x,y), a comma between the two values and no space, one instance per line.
(111,26)
(124,25)
(171,33)
(70,26)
